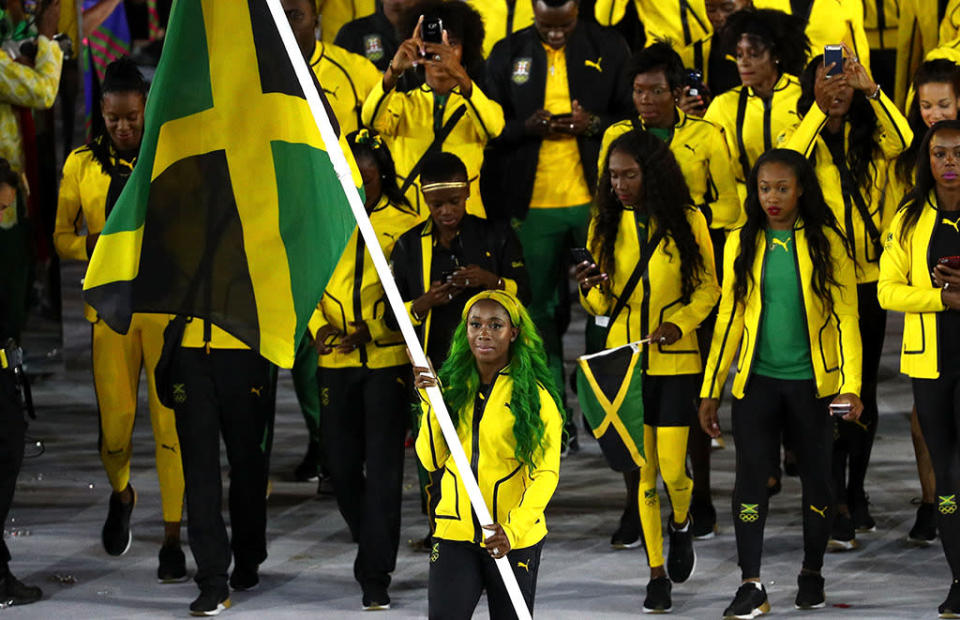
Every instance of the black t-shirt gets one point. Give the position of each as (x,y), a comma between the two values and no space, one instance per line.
(946,242)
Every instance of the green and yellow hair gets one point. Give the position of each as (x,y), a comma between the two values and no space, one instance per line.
(527,367)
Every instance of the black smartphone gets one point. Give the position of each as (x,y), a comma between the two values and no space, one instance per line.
(561,118)
(446,276)
(953,262)
(694,79)
(431,30)
(580,255)
(833,55)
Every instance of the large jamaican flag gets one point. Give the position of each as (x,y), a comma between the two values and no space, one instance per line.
(233,212)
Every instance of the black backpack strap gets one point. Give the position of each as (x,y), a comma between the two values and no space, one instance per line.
(437,143)
(741,119)
(647,248)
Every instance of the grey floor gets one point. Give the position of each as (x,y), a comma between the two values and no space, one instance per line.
(62,495)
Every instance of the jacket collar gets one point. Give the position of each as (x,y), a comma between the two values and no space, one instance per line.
(782,83)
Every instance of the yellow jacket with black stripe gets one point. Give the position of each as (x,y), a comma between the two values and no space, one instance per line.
(685,24)
(346,80)
(334,14)
(950,24)
(82,202)
(501,19)
(905,286)
(704,157)
(917,34)
(751,124)
(410,120)
(834,21)
(835,348)
(893,135)
(658,297)
(515,496)
(880,21)
(354,293)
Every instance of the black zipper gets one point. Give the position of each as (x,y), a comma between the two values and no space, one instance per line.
(767,112)
(480,404)
(930,265)
(357,290)
(511,9)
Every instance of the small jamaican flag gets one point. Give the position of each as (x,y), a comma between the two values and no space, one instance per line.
(610,390)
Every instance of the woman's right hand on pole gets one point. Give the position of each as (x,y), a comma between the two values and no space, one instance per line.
(587,276)
(423,378)
(709,420)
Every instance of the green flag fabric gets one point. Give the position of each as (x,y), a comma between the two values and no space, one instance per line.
(234,212)
(610,391)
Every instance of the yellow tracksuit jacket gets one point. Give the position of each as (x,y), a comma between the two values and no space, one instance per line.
(835,348)
(834,21)
(515,496)
(346,80)
(334,14)
(950,25)
(500,20)
(917,34)
(751,124)
(657,298)
(704,157)
(880,21)
(410,120)
(684,23)
(342,303)
(905,286)
(893,135)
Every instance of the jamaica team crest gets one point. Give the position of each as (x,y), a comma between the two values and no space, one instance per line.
(521,70)
(373,47)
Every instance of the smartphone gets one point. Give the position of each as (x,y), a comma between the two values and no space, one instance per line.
(953,262)
(694,79)
(580,255)
(446,276)
(431,31)
(840,409)
(562,118)
(833,54)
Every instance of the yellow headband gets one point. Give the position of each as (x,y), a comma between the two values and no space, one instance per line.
(445,185)
(510,303)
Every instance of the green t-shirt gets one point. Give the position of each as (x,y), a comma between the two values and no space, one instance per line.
(783,351)
(663,134)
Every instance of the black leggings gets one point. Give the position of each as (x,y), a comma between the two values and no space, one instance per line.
(12,431)
(854,440)
(770,406)
(461,571)
(938,410)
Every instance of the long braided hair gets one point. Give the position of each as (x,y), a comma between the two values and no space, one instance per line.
(527,367)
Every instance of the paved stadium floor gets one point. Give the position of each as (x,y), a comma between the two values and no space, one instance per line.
(62,500)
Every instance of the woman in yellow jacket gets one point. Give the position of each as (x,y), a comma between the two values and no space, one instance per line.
(790,306)
(920,276)
(93,176)
(937,98)
(643,212)
(852,133)
(363,378)
(771,49)
(448,112)
(500,395)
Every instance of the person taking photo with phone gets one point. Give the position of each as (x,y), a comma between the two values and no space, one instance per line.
(920,276)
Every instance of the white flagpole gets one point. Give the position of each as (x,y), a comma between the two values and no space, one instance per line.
(393,295)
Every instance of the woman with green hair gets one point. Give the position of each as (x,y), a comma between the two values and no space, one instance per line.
(497,388)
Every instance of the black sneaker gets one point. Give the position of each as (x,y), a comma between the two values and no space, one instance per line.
(842,535)
(308,469)
(325,484)
(658,596)
(704,517)
(863,523)
(628,535)
(210,602)
(375,598)
(15,592)
(681,559)
(173,564)
(924,530)
(749,602)
(244,578)
(950,608)
(116,529)
(810,593)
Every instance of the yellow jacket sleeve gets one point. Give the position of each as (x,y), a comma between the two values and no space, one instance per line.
(705,296)
(728,329)
(894,290)
(802,137)
(382,109)
(727,211)
(68,242)
(431,447)
(486,114)
(609,12)
(545,477)
(848,317)
(896,134)
(32,87)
